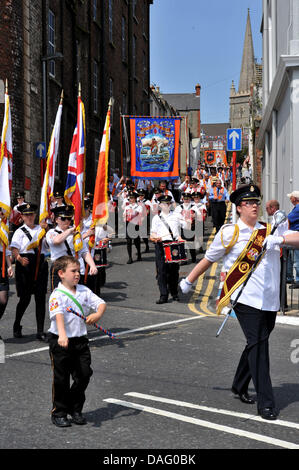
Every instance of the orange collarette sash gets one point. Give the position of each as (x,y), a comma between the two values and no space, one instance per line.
(239,270)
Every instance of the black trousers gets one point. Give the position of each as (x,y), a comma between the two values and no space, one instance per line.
(218,213)
(71,362)
(26,286)
(132,229)
(254,362)
(168,274)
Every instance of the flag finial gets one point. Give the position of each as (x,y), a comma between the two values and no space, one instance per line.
(79,89)
(6,86)
(61,96)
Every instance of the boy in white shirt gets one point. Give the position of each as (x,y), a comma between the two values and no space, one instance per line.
(68,342)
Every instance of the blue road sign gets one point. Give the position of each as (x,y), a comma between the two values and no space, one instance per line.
(234,140)
(40,150)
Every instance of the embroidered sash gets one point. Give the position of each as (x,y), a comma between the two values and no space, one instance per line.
(240,269)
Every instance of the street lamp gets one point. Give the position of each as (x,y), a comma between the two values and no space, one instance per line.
(57,56)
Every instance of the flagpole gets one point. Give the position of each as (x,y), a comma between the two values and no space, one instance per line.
(41,240)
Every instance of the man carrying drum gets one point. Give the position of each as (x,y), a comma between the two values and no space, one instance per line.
(166,227)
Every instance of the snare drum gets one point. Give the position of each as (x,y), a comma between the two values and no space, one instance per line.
(100,255)
(174,252)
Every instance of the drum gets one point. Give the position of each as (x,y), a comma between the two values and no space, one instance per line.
(100,255)
(174,252)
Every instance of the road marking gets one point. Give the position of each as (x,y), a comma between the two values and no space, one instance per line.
(122,333)
(206,424)
(184,404)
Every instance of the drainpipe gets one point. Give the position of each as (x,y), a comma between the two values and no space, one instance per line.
(265,53)
(274,182)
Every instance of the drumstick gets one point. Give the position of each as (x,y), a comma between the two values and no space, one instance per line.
(107,332)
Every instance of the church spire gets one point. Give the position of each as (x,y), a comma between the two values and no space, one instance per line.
(248,64)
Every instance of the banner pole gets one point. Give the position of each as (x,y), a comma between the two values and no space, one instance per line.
(121,145)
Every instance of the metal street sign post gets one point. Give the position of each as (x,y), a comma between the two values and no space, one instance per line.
(234,144)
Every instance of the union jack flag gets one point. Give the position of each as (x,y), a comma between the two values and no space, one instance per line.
(75,185)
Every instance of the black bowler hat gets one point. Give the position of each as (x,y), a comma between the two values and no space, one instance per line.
(164,198)
(245,192)
(63,211)
(27,209)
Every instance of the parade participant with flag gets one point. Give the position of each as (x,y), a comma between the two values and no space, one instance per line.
(5,191)
(240,245)
(31,275)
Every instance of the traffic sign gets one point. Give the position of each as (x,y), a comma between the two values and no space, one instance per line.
(234,140)
(40,149)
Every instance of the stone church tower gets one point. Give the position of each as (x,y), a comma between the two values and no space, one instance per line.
(240,100)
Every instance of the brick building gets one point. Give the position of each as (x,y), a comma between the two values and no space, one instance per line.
(50,45)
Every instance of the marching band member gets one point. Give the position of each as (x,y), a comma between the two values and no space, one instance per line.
(16,216)
(146,209)
(132,216)
(188,213)
(165,191)
(4,282)
(258,303)
(166,227)
(201,214)
(218,198)
(60,240)
(27,263)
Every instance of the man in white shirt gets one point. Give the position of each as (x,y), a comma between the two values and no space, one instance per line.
(257,305)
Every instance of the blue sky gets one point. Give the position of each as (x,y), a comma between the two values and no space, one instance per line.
(201,41)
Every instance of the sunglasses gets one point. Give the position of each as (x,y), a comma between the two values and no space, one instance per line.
(251,203)
(65,218)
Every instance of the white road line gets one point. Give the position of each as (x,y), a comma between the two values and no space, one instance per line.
(184,404)
(117,335)
(206,424)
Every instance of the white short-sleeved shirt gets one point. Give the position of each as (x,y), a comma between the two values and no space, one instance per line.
(60,250)
(21,241)
(262,289)
(58,303)
(174,220)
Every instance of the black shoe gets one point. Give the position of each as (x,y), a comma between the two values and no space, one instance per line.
(77,418)
(139,258)
(130,261)
(61,421)
(244,397)
(147,250)
(17,333)
(42,337)
(176,298)
(162,300)
(268,413)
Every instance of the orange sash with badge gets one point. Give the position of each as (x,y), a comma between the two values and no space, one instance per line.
(240,269)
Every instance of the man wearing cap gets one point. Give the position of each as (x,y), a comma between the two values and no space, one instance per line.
(29,264)
(188,213)
(218,198)
(239,245)
(133,218)
(16,216)
(166,226)
(61,242)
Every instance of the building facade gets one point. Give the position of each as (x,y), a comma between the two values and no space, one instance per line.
(53,45)
(278,134)
(187,105)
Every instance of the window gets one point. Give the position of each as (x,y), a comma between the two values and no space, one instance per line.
(123,40)
(95,87)
(144,71)
(51,42)
(97,148)
(124,104)
(134,56)
(111,21)
(94,9)
(111,87)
